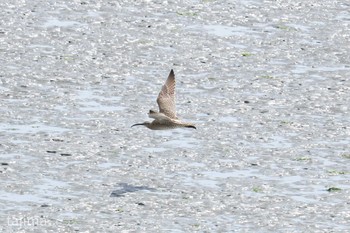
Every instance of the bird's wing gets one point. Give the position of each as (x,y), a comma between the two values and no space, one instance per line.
(158,116)
(166,97)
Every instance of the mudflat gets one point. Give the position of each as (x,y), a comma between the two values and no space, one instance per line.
(265,82)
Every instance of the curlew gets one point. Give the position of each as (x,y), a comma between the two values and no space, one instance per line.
(166,117)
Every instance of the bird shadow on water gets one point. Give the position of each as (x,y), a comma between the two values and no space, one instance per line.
(126,188)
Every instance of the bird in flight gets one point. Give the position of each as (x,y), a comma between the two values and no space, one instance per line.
(166,117)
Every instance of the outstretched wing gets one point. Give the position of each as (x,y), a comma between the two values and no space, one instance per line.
(166,97)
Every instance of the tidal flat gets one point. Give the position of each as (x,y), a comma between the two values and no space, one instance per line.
(266,83)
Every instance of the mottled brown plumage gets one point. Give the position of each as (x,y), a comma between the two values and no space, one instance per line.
(166,117)
(166,97)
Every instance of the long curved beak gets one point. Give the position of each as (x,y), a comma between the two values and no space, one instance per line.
(138,124)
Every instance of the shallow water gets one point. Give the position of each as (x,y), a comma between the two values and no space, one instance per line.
(266,84)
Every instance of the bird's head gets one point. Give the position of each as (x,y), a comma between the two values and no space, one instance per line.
(152,112)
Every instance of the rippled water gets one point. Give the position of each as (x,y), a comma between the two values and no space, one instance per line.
(266,84)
